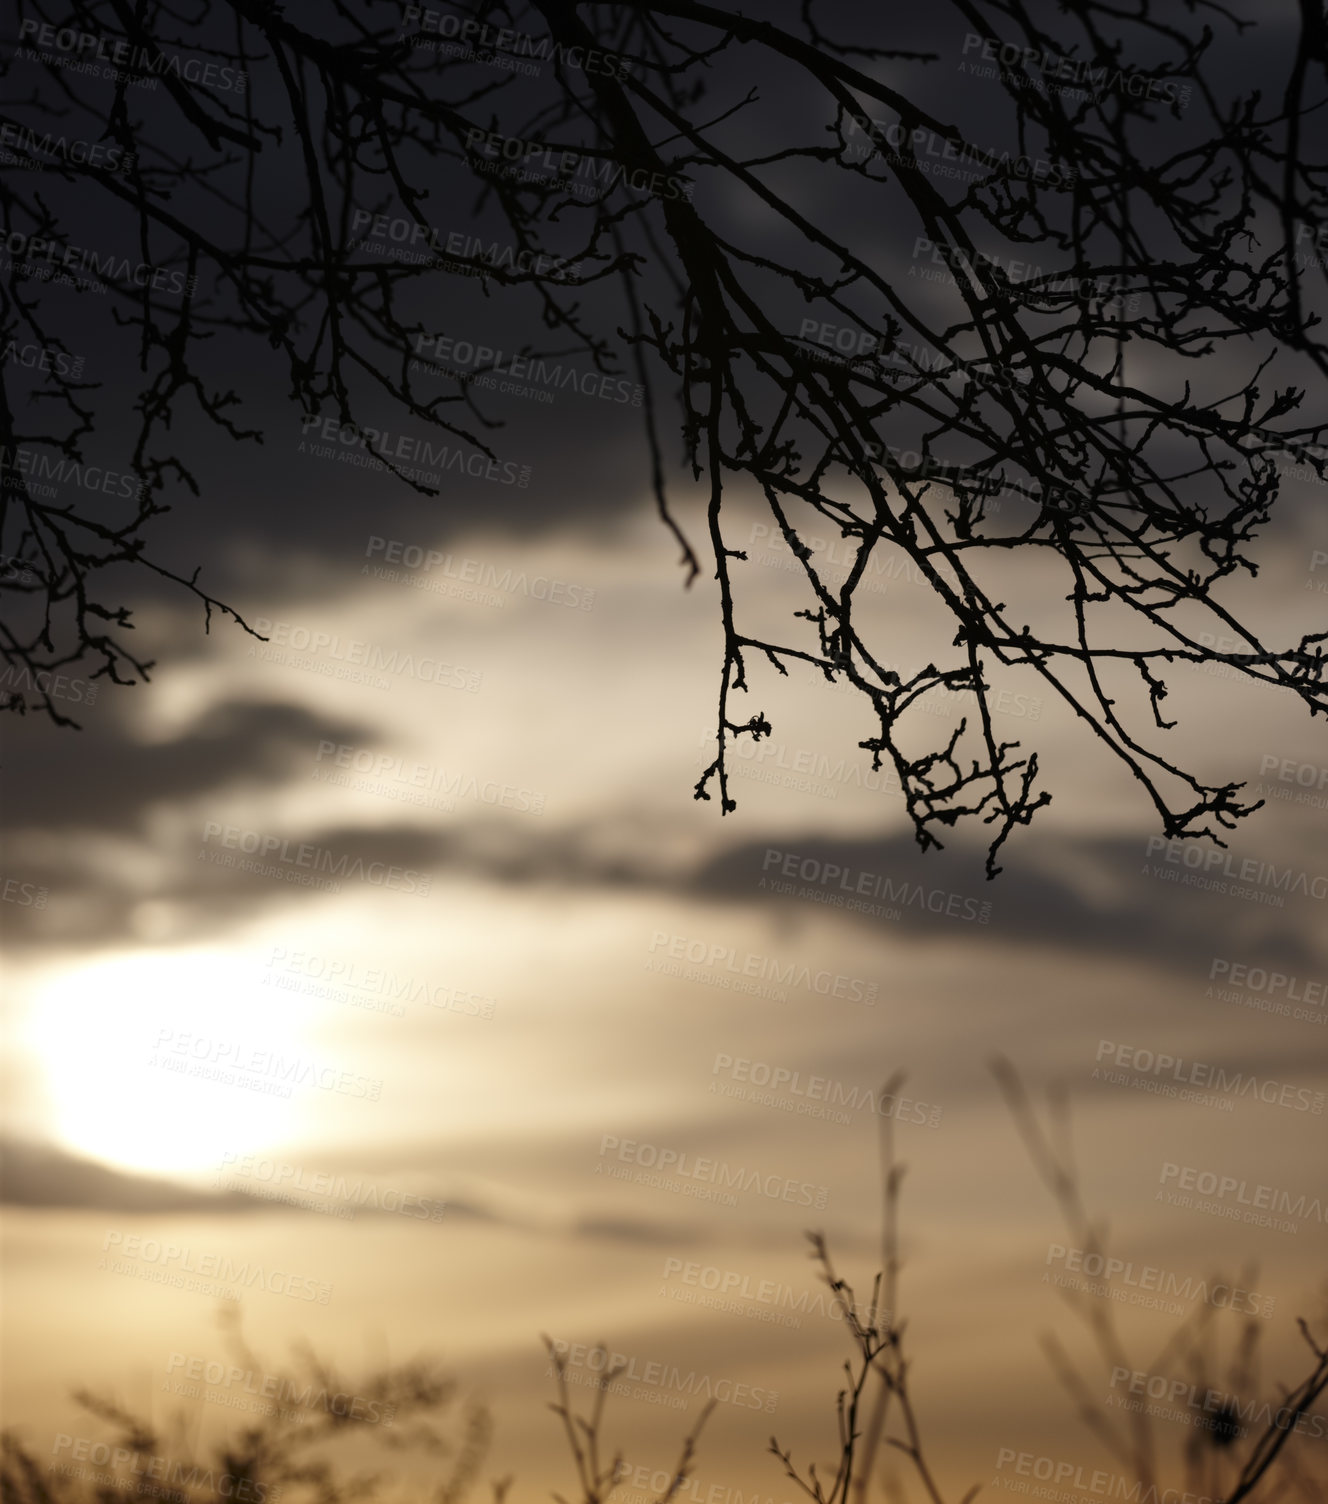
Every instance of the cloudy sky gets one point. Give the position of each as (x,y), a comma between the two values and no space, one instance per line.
(546,973)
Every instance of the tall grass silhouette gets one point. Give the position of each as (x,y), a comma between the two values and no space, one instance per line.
(1244,1448)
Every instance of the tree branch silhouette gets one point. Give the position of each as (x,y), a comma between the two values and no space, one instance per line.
(657,177)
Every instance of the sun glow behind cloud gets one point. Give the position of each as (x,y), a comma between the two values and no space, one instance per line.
(143,1056)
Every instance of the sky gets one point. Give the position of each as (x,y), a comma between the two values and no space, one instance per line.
(563,1051)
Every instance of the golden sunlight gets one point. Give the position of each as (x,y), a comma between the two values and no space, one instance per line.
(164,1062)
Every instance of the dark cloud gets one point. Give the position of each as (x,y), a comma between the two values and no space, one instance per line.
(1103,895)
(1091,896)
(208,893)
(105,778)
(41,1175)
(627,1230)
(1096,896)
(589,475)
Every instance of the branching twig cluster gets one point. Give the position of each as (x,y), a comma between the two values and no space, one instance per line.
(1225,1461)
(1115,413)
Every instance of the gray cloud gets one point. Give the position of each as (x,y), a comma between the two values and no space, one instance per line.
(40,1175)
(103,778)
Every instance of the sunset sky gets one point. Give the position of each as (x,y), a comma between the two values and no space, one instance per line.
(540,1016)
(556,1003)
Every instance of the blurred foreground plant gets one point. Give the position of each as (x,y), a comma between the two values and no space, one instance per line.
(302,1410)
(309,1404)
(1224,1462)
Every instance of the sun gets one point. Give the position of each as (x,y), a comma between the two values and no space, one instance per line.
(144,1057)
